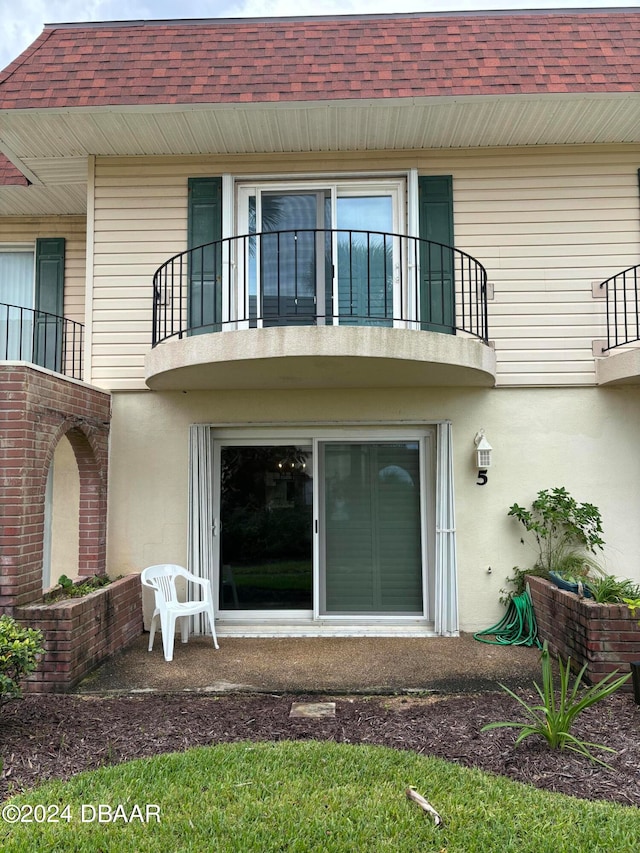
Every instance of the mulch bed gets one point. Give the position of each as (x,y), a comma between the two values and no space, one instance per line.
(54,737)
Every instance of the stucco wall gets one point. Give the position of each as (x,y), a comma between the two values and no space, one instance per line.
(577,438)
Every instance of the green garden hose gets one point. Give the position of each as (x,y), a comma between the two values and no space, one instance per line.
(518,627)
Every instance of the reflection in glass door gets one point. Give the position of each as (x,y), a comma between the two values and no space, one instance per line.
(292,257)
(365,259)
(266,518)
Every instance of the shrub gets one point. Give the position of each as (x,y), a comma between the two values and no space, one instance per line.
(554,718)
(19,650)
(564,530)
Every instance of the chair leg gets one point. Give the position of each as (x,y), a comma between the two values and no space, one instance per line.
(213,627)
(168,628)
(152,630)
(184,628)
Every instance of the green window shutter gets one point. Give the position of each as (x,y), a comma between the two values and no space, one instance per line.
(49,307)
(205,265)
(437,286)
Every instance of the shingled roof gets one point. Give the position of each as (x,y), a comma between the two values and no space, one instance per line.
(9,175)
(326,58)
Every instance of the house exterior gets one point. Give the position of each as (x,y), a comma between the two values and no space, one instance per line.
(311,260)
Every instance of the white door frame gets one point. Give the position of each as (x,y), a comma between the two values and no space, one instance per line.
(314,436)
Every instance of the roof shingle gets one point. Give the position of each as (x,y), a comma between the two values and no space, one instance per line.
(309,59)
(9,175)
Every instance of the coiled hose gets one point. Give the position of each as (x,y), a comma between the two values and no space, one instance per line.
(518,627)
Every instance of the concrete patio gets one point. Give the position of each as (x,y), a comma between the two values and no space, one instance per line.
(316,665)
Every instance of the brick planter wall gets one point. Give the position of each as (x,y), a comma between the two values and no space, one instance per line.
(80,633)
(604,636)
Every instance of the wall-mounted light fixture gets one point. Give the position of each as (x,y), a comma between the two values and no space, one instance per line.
(483,456)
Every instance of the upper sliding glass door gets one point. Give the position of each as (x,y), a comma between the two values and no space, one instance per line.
(320,254)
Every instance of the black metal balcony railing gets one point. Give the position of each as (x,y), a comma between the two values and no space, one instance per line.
(319,277)
(623,307)
(43,339)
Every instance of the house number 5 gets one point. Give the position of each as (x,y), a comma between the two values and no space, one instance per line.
(482,478)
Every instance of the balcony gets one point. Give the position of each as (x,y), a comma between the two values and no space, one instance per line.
(622,363)
(319,308)
(29,335)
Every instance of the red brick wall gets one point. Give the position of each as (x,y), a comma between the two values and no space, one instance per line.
(604,636)
(81,633)
(36,409)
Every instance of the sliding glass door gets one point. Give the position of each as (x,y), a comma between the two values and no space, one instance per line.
(322,528)
(321,254)
(372,530)
(328,526)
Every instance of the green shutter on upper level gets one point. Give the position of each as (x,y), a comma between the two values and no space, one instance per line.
(205,266)
(437,288)
(49,302)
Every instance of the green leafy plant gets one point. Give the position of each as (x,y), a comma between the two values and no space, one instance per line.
(554,717)
(519,582)
(566,534)
(633,604)
(19,650)
(611,590)
(66,588)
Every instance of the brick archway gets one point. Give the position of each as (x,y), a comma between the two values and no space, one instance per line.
(91,459)
(36,409)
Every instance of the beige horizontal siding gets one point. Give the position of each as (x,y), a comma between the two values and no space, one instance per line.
(545,222)
(74,230)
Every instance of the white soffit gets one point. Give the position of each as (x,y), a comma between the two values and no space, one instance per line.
(61,170)
(37,200)
(409,123)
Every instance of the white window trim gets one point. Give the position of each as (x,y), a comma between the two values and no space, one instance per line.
(403,189)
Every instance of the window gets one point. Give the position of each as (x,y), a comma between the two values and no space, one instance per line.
(31,302)
(17,292)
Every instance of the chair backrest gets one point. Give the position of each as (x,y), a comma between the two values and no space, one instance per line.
(162,580)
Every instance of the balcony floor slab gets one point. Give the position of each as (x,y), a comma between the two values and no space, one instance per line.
(621,367)
(319,357)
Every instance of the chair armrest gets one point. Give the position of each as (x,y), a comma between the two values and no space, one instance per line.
(205,583)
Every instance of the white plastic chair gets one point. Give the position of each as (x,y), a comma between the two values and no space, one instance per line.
(162,580)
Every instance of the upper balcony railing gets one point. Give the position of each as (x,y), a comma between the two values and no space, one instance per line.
(319,277)
(47,340)
(623,307)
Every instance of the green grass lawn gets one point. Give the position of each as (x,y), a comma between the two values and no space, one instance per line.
(312,796)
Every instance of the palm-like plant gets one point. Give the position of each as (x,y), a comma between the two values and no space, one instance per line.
(554,717)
